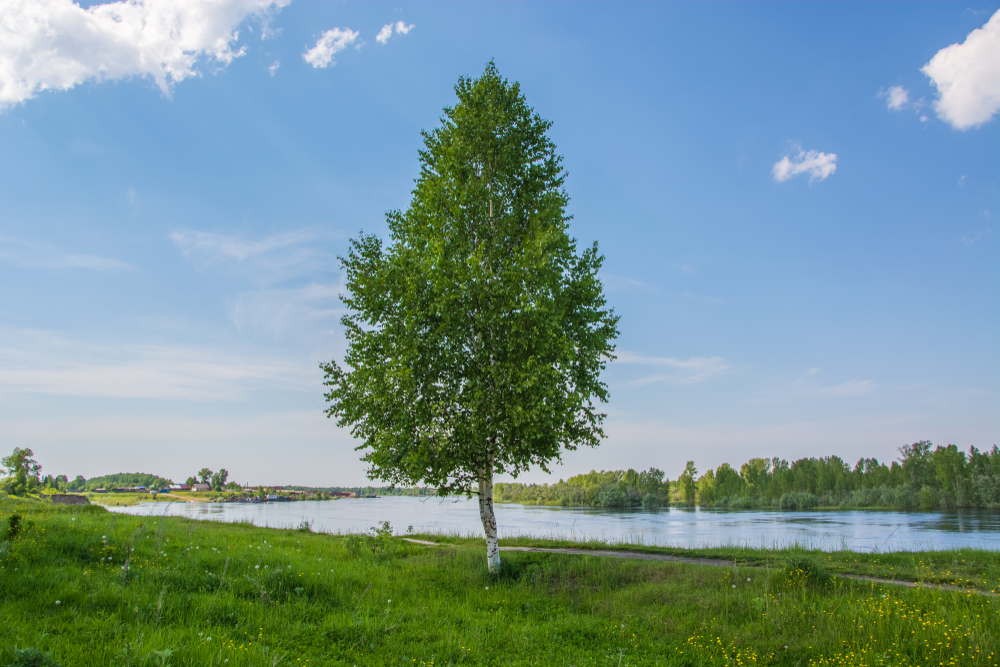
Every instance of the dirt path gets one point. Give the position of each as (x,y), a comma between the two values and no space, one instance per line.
(714,562)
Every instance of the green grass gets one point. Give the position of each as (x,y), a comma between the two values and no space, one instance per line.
(205,593)
(128,499)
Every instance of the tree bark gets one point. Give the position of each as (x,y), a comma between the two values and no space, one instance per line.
(489,519)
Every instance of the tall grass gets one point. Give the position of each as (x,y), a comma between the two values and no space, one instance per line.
(95,588)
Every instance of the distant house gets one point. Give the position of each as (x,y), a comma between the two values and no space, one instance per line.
(272,497)
(100,490)
(201,487)
(178,487)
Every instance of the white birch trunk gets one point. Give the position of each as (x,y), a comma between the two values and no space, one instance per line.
(489,520)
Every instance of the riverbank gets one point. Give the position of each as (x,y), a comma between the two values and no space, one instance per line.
(97,588)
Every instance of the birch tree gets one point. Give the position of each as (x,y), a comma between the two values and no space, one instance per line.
(477,334)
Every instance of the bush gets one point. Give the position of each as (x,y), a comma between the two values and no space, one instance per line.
(806,570)
(611,497)
(870,497)
(798,501)
(903,496)
(13,526)
(650,501)
(32,657)
(378,541)
(928,498)
(743,502)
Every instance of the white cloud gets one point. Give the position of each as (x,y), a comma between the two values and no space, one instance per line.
(265,261)
(695,369)
(686,269)
(967,77)
(302,312)
(274,67)
(386,32)
(615,283)
(328,45)
(132,199)
(216,248)
(817,165)
(56,44)
(897,97)
(30,255)
(850,388)
(47,363)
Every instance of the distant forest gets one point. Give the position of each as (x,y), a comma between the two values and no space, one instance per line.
(122,479)
(924,477)
(370,490)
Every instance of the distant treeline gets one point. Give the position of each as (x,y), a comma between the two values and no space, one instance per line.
(370,490)
(612,488)
(925,477)
(122,479)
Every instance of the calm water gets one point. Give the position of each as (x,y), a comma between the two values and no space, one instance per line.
(855,530)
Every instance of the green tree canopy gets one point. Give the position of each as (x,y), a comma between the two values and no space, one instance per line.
(218,480)
(476,338)
(23,470)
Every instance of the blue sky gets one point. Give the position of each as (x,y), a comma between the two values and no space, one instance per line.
(797,204)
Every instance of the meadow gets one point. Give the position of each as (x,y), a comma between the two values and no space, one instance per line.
(89,587)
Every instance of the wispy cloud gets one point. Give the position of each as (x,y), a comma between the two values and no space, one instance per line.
(29,255)
(700,297)
(849,388)
(810,384)
(620,283)
(694,369)
(49,363)
(273,69)
(57,44)
(328,45)
(132,201)
(818,165)
(686,269)
(386,32)
(262,261)
(972,239)
(967,77)
(283,313)
(216,248)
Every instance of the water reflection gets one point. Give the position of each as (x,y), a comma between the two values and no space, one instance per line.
(857,530)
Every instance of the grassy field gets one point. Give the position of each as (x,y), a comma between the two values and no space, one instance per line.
(95,588)
(129,499)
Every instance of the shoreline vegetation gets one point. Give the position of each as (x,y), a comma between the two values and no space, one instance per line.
(925,477)
(81,586)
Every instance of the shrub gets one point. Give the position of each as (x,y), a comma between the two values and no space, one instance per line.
(806,570)
(928,498)
(13,526)
(904,497)
(32,657)
(798,501)
(611,497)
(650,501)
(378,541)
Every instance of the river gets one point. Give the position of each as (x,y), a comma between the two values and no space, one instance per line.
(857,530)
